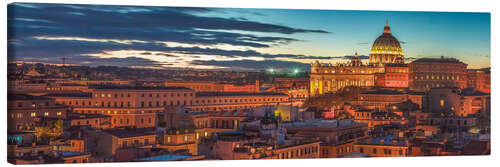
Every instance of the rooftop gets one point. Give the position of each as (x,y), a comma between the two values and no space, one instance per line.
(166,157)
(323,123)
(384,91)
(476,148)
(125,133)
(73,94)
(438,60)
(25,97)
(70,154)
(387,140)
(355,155)
(473,92)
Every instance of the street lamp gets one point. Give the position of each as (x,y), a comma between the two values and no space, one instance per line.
(295,71)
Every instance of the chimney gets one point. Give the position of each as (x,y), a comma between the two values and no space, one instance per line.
(257,85)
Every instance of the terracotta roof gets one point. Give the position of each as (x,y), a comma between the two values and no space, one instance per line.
(476,148)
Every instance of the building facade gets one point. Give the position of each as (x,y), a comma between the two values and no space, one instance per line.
(426,73)
(386,68)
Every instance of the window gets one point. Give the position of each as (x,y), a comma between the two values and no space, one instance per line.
(185,138)
(169,139)
(387,151)
(33,114)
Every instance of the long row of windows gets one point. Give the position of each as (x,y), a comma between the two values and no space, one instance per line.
(298,153)
(436,77)
(375,150)
(34,114)
(157,95)
(136,142)
(169,103)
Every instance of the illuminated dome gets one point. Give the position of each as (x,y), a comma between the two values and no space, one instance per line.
(386,48)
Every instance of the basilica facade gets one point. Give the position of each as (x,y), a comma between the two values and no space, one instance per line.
(386,68)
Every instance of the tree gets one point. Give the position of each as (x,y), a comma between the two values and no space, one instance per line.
(334,99)
(47,133)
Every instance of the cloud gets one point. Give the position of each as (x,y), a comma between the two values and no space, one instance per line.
(360,56)
(88,33)
(253,65)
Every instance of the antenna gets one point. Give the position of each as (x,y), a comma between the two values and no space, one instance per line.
(64,61)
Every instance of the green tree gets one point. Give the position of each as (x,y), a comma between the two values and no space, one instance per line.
(333,99)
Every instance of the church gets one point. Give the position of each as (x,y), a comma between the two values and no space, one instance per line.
(386,68)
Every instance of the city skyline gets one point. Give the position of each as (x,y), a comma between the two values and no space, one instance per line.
(234,38)
(97,84)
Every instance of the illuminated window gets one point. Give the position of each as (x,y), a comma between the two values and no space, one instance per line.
(206,134)
(33,114)
(197,136)
(185,138)
(46,113)
(441,102)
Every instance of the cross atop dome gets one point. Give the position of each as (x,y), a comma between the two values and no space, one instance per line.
(387,29)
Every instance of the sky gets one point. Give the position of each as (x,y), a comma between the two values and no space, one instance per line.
(233,38)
